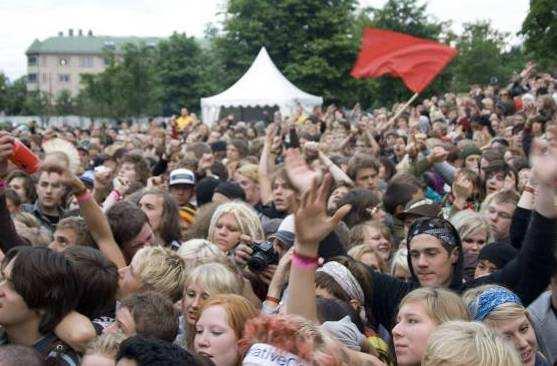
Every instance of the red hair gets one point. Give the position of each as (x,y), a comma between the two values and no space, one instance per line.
(292,334)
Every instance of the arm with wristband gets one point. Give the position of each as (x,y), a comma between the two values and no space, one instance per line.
(96,221)
(312,225)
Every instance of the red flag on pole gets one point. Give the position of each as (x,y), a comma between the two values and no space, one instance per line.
(416,61)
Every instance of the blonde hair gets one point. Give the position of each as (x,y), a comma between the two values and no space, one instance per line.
(106,344)
(359,251)
(440,304)
(161,270)
(215,278)
(250,171)
(468,223)
(400,258)
(459,343)
(199,249)
(503,312)
(245,216)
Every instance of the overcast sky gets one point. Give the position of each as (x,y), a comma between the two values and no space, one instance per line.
(22,21)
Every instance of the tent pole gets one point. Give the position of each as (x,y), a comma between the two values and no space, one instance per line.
(403,108)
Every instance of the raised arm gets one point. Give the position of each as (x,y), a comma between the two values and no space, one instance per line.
(266,166)
(529,273)
(96,221)
(8,234)
(311,226)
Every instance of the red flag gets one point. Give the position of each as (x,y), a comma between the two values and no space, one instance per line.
(417,61)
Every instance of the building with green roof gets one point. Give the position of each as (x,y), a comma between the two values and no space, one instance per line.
(56,63)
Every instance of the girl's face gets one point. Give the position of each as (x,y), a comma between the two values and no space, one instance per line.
(411,333)
(227,232)
(376,240)
(194,297)
(215,338)
(521,333)
(475,241)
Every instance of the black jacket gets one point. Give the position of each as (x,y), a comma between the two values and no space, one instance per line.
(527,275)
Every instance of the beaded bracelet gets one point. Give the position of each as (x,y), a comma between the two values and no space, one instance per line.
(272,299)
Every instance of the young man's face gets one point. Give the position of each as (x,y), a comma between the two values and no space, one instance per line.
(472,162)
(143,239)
(499,216)
(18,185)
(63,238)
(182,193)
(431,262)
(153,206)
(127,171)
(282,195)
(494,182)
(50,190)
(13,309)
(250,187)
(484,268)
(367,178)
(124,323)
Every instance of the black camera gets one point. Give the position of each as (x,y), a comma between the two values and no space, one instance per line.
(263,255)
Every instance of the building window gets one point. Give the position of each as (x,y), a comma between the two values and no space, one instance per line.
(64,62)
(45,77)
(32,78)
(86,61)
(64,78)
(32,60)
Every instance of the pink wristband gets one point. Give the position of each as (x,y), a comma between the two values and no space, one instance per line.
(116,194)
(84,197)
(3,184)
(303,263)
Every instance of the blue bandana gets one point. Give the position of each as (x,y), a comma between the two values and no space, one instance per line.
(489,300)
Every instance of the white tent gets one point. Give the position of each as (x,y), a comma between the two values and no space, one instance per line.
(262,85)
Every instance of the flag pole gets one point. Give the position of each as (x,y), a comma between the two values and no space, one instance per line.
(403,108)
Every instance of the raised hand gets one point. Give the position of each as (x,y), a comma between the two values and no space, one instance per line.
(544,159)
(311,221)
(298,170)
(6,150)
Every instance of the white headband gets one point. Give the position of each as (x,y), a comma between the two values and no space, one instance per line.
(262,354)
(345,280)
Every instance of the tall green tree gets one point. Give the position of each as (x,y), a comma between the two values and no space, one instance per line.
(64,104)
(136,78)
(179,68)
(482,58)
(540,32)
(309,40)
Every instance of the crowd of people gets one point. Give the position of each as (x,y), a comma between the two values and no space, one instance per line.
(328,237)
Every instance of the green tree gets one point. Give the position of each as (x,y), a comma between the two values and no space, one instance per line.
(128,87)
(64,104)
(482,58)
(137,82)
(179,65)
(540,32)
(38,103)
(309,40)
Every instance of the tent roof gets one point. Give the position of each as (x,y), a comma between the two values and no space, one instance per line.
(263,84)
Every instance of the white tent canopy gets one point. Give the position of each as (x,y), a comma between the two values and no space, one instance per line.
(262,85)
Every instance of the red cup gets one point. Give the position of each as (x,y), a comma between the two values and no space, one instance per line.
(24,158)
